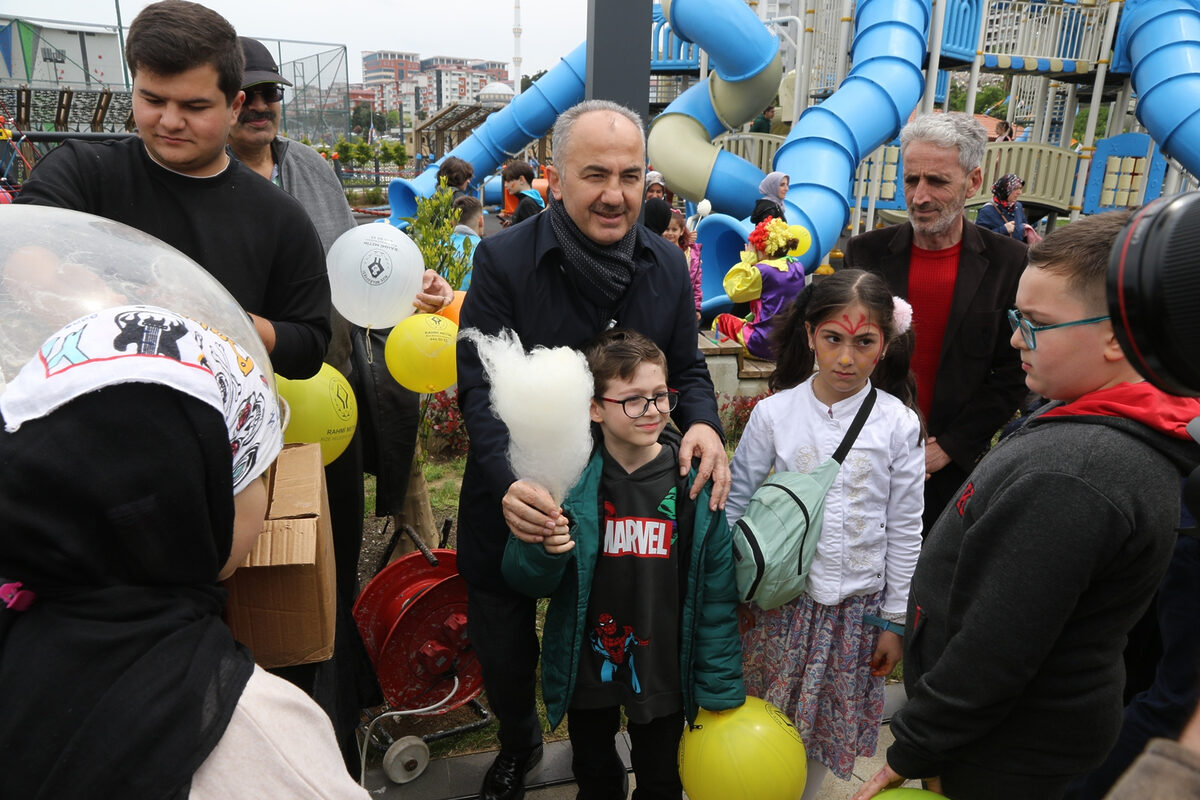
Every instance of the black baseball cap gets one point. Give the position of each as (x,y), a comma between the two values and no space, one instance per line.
(260,66)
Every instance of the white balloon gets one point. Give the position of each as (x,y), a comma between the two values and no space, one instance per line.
(58,265)
(374,275)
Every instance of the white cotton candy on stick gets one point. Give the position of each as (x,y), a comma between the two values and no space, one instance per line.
(543,398)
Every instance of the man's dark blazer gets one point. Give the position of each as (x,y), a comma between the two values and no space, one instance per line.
(979,381)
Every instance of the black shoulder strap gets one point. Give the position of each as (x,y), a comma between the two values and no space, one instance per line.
(860,419)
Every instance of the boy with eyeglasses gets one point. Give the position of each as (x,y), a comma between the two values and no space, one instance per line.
(1030,581)
(628,624)
(176,182)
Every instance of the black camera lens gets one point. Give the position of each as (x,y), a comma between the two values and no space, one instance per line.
(1154,292)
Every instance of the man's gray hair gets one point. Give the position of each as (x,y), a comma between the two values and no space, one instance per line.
(566,122)
(952,129)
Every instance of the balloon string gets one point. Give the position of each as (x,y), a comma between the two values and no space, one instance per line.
(370,353)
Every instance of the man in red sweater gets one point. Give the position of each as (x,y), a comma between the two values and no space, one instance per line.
(961,280)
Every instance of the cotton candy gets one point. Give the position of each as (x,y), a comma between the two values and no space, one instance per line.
(543,398)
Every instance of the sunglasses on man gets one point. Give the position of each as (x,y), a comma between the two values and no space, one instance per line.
(269,92)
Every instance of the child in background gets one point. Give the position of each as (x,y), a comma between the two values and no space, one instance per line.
(678,233)
(469,230)
(626,627)
(766,279)
(822,658)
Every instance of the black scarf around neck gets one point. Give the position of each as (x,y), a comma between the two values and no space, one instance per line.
(601,272)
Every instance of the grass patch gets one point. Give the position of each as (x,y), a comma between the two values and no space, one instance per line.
(368,495)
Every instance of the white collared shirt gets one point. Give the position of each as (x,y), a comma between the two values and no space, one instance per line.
(871,535)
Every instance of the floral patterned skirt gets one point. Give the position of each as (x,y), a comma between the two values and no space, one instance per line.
(813,661)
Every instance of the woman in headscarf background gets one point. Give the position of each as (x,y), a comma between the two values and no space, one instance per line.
(132,478)
(1004,214)
(772,189)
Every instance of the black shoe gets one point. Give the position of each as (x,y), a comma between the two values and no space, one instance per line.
(505,779)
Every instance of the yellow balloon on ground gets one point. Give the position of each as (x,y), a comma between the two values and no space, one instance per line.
(322,410)
(420,353)
(800,234)
(748,752)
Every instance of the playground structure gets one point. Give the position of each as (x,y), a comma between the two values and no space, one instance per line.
(856,72)
(52,87)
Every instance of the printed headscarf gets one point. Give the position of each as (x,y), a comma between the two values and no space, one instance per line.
(145,344)
(1002,189)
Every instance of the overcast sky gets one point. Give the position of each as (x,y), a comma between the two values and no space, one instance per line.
(465,28)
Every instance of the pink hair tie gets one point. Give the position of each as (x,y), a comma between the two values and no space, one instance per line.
(901,315)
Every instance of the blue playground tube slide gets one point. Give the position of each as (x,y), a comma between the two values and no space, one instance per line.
(827,143)
(1161,40)
(874,101)
(527,117)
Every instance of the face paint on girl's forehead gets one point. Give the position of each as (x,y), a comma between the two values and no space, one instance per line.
(853,328)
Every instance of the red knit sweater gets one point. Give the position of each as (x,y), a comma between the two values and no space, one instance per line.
(931,276)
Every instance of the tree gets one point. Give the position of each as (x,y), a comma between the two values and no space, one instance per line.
(528,80)
(392,153)
(992,96)
(1081,122)
(360,116)
(344,150)
(432,228)
(364,154)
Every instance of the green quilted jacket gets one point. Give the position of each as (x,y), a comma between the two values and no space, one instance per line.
(710,658)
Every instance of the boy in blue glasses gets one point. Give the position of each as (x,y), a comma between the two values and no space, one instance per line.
(1029,583)
(628,624)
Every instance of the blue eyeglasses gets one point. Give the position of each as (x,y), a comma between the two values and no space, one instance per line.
(1029,330)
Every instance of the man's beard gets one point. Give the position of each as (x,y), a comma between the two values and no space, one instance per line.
(946,218)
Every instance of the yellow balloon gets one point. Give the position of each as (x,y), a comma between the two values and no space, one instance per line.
(752,751)
(322,410)
(420,353)
(801,234)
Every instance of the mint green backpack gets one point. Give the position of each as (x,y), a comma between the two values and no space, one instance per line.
(776,539)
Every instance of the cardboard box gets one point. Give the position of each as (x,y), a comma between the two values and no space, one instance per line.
(282,598)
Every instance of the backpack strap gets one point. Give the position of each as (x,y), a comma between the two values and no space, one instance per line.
(860,419)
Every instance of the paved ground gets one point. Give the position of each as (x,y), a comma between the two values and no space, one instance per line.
(459,778)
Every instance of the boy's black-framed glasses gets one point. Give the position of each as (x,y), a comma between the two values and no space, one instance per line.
(1029,331)
(637,406)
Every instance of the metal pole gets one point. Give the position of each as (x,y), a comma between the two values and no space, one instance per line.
(935,56)
(1089,136)
(121,41)
(844,34)
(973,77)
(614,32)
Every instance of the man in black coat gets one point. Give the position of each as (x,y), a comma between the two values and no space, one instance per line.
(574,271)
(961,281)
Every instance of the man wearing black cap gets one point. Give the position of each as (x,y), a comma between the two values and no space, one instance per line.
(176,182)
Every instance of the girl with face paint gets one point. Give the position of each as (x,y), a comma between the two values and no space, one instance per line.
(822,658)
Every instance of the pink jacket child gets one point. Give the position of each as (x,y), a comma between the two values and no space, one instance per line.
(678,233)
